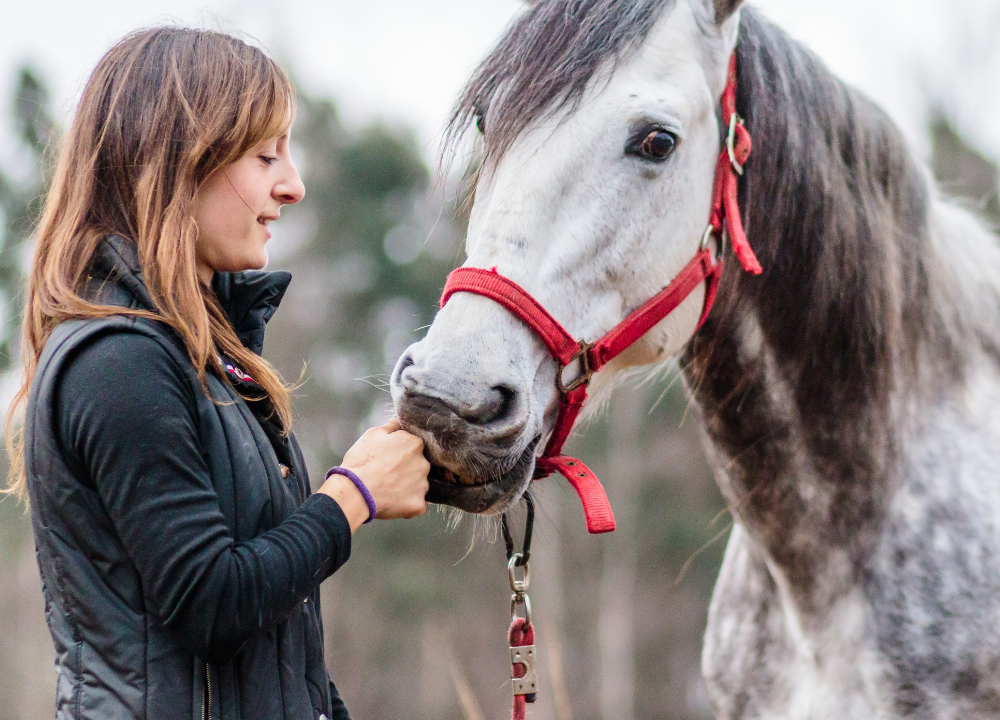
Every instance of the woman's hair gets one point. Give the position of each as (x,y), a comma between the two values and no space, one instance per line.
(163,110)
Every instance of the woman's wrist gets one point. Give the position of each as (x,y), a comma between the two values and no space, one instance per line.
(349,497)
(360,485)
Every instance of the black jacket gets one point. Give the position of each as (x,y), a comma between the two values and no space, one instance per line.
(180,570)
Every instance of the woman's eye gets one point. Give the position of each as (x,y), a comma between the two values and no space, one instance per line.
(481,123)
(655,145)
(268,159)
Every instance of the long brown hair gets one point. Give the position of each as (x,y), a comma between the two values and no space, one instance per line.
(163,110)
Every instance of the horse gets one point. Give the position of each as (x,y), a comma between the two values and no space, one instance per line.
(849,393)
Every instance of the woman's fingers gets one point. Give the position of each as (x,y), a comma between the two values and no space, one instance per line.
(392,426)
(391,463)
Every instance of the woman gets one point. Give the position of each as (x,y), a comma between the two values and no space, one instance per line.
(180,557)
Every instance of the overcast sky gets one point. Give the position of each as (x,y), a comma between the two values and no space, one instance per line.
(405,60)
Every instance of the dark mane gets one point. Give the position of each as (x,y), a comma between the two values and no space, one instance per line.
(852,306)
(836,209)
(545,61)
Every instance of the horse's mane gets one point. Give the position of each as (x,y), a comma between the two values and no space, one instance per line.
(839,213)
(545,61)
(873,289)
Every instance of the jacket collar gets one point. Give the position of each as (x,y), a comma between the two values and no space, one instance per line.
(249,298)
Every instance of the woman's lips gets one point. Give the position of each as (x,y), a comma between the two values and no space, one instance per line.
(263,221)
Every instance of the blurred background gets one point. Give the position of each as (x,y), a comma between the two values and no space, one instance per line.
(416,622)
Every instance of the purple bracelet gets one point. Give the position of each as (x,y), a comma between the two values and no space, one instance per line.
(362,488)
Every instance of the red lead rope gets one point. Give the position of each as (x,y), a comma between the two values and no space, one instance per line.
(592,357)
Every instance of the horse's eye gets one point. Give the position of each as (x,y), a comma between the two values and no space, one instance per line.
(481,122)
(656,145)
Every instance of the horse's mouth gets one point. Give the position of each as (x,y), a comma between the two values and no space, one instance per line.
(480,496)
(442,474)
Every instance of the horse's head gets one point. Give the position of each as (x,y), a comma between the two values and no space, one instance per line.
(601,138)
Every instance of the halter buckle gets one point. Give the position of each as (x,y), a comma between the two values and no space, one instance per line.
(582,356)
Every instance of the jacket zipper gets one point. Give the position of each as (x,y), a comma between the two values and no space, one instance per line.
(206,697)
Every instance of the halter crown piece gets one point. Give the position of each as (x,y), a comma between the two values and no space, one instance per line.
(591,357)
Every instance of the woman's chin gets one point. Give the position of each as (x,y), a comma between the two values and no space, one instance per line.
(257,261)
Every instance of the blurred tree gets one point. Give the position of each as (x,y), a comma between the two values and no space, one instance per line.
(27,684)
(963,172)
(21,191)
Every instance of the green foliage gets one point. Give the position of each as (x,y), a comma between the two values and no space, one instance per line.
(20,201)
(32,113)
(379,162)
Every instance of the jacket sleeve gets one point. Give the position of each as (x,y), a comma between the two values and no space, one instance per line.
(126,414)
(339,709)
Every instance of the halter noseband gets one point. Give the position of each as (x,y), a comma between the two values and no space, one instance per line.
(591,357)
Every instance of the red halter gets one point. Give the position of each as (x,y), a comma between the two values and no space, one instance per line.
(591,357)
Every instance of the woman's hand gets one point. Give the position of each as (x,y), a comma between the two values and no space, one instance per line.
(391,463)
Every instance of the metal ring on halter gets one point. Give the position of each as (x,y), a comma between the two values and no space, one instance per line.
(518,586)
(707,238)
(520,599)
(731,144)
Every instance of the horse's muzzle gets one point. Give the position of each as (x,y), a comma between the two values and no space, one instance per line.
(445,489)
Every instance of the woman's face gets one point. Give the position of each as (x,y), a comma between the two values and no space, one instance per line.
(234,206)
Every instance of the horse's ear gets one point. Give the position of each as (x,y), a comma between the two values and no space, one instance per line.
(724,9)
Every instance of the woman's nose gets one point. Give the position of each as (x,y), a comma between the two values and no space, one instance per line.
(290,190)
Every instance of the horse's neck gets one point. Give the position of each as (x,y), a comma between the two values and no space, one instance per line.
(803,484)
(810,459)
(814,379)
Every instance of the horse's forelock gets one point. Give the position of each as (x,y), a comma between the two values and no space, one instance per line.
(545,61)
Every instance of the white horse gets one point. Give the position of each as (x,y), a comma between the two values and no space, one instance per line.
(850,394)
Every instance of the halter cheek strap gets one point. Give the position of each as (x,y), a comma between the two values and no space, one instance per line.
(725,205)
(591,357)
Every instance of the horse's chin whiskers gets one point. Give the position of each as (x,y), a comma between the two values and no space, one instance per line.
(485,529)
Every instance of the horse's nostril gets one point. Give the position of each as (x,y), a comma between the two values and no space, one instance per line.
(435,400)
(507,395)
(405,362)
(495,407)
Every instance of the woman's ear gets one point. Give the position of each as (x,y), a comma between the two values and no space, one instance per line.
(724,9)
